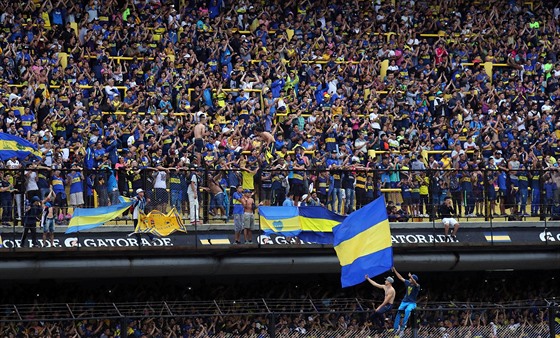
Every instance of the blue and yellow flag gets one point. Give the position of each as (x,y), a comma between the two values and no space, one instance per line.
(363,243)
(317,224)
(11,146)
(284,220)
(310,224)
(89,218)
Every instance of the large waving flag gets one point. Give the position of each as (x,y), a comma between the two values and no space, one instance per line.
(160,224)
(363,243)
(89,218)
(11,145)
(310,224)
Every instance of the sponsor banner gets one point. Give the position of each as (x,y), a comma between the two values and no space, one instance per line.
(505,236)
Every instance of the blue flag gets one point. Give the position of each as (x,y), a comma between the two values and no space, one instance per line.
(363,243)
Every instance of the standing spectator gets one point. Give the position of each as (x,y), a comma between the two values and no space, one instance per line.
(75,180)
(408,304)
(322,187)
(176,181)
(192,193)
(13,163)
(237,197)
(161,196)
(138,209)
(336,189)
(30,218)
(112,185)
(423,190)
(60,198)
(360,189)
(48,217)
(348,185)
(388,300)
(248,216)
(6,198)
(216,207)
(523,178)
(31,181)
(536,189)
(100,187)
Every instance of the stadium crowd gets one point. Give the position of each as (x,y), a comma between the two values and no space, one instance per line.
(127,95)
(513,302)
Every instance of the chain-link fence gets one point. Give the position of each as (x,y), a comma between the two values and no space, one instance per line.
(204,196)
(483,193)
(278,318)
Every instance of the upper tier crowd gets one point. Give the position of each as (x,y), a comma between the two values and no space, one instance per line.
(318,65)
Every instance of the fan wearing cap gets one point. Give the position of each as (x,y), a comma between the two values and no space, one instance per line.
(139,206)
(408,304)
(378,316)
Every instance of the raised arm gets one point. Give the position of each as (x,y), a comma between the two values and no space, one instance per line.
(372,282)
(401,278)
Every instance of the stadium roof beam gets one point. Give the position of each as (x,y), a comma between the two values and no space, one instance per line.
(314,262)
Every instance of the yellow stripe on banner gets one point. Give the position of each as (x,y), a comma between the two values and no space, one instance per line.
(211,241)
(317,224)
(85,220)
(498,238)
(277,225)
(374,239)
(13,145)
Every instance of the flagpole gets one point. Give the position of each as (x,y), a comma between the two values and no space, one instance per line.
(195,225)
(14,232)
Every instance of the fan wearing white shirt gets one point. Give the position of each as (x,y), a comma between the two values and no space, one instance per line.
(160,189)
(469,144)
(31,179)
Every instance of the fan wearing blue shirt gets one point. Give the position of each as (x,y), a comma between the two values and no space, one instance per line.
(408,304)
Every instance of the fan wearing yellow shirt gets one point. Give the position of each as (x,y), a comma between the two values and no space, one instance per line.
(446,161)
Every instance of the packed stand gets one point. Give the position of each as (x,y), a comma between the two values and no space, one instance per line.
(122,96)
(513,303)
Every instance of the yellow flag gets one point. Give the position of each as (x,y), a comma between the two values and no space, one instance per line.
(143,224)
(160,224)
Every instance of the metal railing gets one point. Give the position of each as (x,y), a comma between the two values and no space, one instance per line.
(482,196)
(284,318)
(481,193)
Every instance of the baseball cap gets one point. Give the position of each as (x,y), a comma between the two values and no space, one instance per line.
(35,199)
(390,280)
(415,277)
(139,191)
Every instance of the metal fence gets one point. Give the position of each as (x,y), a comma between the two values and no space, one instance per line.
(279,318)
(484,193)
